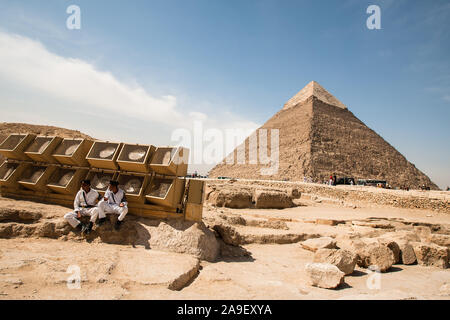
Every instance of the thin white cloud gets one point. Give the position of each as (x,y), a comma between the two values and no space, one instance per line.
(29,65)
(74,93)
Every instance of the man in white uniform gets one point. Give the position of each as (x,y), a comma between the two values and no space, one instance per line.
(85,205)
(115,202)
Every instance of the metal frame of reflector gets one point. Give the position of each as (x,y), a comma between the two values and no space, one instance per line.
(95,158)
(126,162)
(173,193)
(196,191)
(176,165)
(31,181)
(15,171)
(15,144)
(77,157)
(133,197)
(108,176)
(72,182)
(194,205)
(42,147)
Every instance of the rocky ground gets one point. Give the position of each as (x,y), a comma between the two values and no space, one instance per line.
(311,249)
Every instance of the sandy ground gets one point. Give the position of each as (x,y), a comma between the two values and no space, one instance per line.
(39,268)
(309,210)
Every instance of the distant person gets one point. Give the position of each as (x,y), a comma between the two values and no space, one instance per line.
(331,180)
(115,202)
(85,204)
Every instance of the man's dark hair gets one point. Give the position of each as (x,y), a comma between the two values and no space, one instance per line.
(86,181)
(114,183)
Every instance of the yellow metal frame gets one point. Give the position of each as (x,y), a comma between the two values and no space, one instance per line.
(17,153)
(72,186)
(11,181)
(97,162)
(172,198)
(177,165)
(46,155)
(41,183)
(183,200)
(139,198)
(134,166)
(78,157)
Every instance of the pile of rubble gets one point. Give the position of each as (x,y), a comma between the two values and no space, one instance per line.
(333,260)
(373,244)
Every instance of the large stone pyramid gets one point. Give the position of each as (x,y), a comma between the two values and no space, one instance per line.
(319,136)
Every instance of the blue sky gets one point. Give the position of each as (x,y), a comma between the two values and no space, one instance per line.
(231,63)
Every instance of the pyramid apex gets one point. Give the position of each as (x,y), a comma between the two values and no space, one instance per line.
(313,88)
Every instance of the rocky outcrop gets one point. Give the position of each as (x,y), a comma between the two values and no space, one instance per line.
(407,254)
(293,193)
(233,236)
(8,214)
(329,222)
(45,221)
(393,245)
(235,219)
(423,232)
(377,255)
(345,260)
(231,198)
(272,200)
(229,234)
(185,237)
(431,254)
(185,278)
(442,240)
(238,198)
(324,275)
(318,243)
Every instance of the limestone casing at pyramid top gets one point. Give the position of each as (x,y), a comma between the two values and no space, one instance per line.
(313,89)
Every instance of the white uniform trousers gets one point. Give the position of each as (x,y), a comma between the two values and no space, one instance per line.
(71,217)
(104,208)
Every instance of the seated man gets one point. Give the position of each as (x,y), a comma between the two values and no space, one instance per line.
(85,205)
(114,201)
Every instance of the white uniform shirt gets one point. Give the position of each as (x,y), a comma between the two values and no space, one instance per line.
(80,201)
(116,198)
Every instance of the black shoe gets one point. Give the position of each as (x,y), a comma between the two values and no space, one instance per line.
(79,227)
(88,228)
(101,221)
(117,225)
(83,227)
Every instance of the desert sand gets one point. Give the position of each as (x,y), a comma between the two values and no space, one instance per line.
(267,261)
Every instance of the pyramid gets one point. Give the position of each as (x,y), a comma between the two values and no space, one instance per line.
(319,136)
